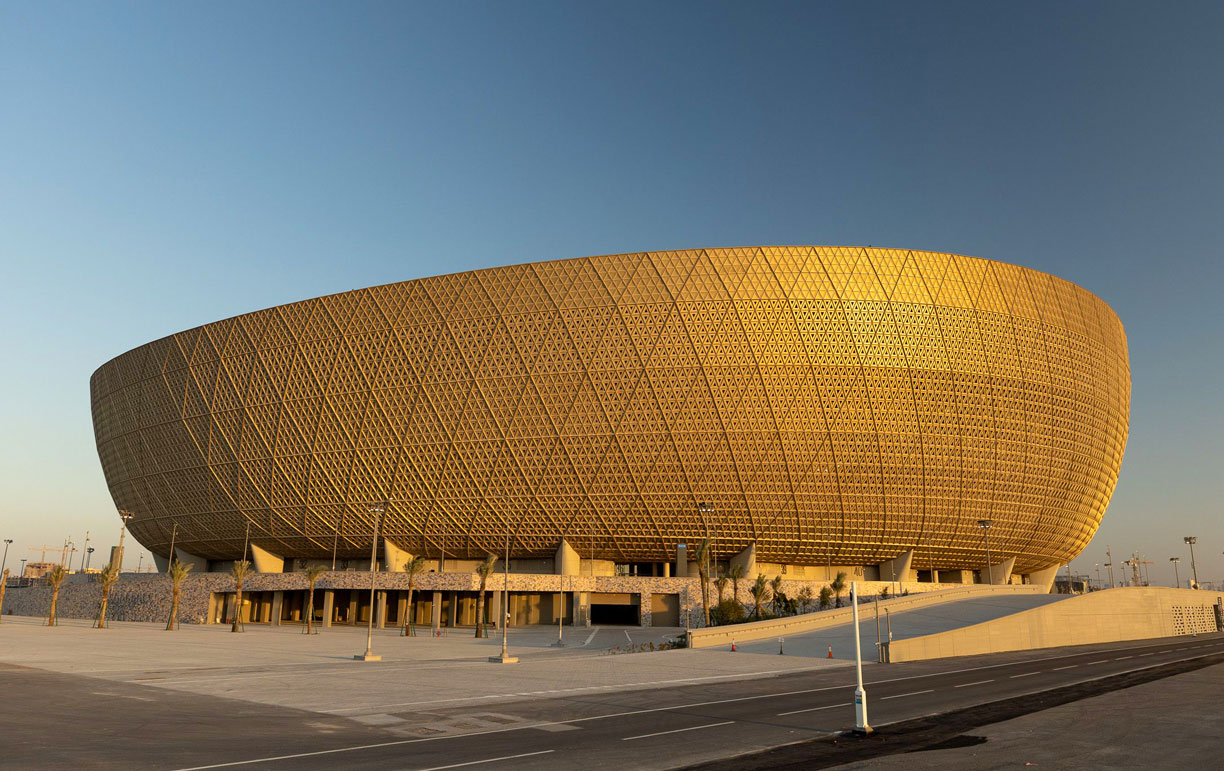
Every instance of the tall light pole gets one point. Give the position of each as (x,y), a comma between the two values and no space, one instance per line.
(377,510)
(1192,540)
(505,658)
(860,695)
(88,556)
(173,534)
(1109,564)
(985,525)
(126,516)
(1176,577)
(3,562)
(1098,572)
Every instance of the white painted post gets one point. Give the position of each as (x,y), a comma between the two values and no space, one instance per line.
(860,696)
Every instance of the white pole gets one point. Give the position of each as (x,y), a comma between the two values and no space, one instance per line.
(860,695)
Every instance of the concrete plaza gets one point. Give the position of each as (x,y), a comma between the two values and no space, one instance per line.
(282,666)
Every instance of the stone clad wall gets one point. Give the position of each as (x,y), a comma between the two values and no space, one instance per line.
(146,596)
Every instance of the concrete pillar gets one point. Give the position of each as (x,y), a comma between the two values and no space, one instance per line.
(644,610)
(681,570)
(265,561)
(1000,573)
(567,560)
(394,557)
(495,611)
(380,610)
(667,570)
(1043,577)
(452,618)
(897,568)
(198,564)
(435,607)
(212,608)
(278,599)
(329,597)
(161,563)
(747,560)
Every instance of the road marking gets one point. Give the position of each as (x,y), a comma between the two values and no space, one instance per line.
(488,760)
(811,709)
(402,742)
(677,731)
(1123,658)
(592,637)
(1102,661)
(1141,655)
(1026,674)
(979,682)
(903,695)
(627,637)
(1069,666)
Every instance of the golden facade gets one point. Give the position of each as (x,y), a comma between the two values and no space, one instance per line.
(834,405)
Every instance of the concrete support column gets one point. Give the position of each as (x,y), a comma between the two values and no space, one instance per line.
(1000,573)
(394,557)
(897,568)
(1043,577)
(265,561)
(161,563)
(667,570)
(747,560)
(329,598)
(495,611)
(197,563)
(435,607)
(278,599)
(644,612)
(681,570)
(380,610)
(452,618)
(212,608)
(567,561)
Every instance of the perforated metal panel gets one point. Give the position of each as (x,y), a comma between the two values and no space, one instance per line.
(834,404)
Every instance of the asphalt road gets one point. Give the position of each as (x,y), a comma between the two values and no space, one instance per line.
(637,729)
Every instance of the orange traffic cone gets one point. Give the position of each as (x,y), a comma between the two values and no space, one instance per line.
(830,651)
(733,646)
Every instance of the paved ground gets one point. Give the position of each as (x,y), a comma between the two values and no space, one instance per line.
(115,719)
(281,666)
(909,623)
(1170,723)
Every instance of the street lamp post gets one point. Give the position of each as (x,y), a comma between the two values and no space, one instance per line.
(4,562)
(860,694)
(985,525)
(126,516)
(377,510)
(1176,577)
(88,556)
(1098,572)
(1192,540)
(505,658)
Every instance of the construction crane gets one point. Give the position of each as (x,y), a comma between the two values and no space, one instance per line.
(42,557)
(1136,563)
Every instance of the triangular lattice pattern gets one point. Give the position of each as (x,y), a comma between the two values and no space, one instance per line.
(834,404)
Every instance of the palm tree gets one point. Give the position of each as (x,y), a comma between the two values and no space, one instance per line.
(720,584)
(736,573)
(178,571)
(775,587)
(826,597)
(703,575)
(240,571)
(56,579)
(838,585)
(413,567)
(312,576)
(805,598)
(107,578)
(484,570)
(760,594)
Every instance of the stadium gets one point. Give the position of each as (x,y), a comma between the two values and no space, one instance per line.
(894,412)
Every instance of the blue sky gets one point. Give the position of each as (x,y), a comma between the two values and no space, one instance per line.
(170,164)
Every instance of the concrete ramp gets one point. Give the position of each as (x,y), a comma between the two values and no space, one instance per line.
(906,624)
